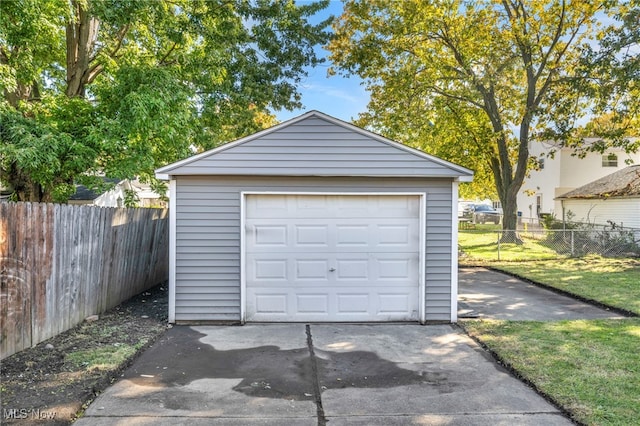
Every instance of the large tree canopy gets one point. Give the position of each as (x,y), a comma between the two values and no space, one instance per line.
(120,87)
(609,74)
(476,81)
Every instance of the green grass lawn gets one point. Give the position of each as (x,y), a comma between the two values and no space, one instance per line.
(612,281)
(591,368)
(481,244)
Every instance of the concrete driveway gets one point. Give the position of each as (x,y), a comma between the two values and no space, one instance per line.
(297,374)
(487,294)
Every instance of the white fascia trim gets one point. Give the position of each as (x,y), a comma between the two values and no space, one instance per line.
(172,250)
(421,249)
(243,276)
(465,179)
(454,252)
(412,193)
(422,292)
(162,176)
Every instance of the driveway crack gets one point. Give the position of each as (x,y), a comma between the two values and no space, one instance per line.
(317,392)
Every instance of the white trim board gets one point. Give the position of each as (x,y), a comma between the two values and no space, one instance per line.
(172,249)
(422,239)
(454,252)
(243,278)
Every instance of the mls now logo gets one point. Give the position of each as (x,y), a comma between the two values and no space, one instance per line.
(23,413)
(14,413)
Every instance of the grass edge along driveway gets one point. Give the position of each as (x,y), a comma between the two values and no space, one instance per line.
(612,281)
(590,368)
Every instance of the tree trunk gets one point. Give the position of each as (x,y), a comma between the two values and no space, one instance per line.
(510,218)
(25,188)
(81,35)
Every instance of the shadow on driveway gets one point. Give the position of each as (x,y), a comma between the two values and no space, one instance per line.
(318,374)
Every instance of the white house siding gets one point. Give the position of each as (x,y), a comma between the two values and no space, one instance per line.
(208,237)
(562,174)
(622,211)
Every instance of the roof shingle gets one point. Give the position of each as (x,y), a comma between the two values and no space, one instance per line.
(623,183)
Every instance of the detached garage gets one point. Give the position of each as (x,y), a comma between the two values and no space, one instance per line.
(313,220)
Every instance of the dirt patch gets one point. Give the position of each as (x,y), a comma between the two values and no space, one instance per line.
(55,380)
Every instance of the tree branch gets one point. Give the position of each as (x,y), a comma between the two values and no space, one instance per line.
(166,55)
(456,97)
(122,32)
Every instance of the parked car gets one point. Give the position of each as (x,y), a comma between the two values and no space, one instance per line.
(463,206)
(482,213)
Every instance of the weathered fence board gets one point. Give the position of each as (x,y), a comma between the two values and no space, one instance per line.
(61,263)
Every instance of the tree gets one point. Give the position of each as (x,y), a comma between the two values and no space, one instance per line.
(610,75)
(494,75)
(120,87)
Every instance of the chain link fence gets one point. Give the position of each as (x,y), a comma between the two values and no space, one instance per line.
(536,244)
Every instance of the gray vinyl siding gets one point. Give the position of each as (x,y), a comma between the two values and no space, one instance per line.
(208,237)
(315,147)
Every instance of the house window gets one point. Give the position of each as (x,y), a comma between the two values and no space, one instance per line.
(541,163)
(609,160)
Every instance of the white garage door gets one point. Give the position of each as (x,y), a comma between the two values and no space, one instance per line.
(332,257)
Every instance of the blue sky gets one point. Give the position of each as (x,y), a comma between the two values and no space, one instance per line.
(338,96)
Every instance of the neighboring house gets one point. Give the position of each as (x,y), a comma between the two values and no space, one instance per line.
(5,193)
(564,173)
(313,220)
(615,198)
(116,196)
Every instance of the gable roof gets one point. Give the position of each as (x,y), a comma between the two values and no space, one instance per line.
(315,144)
(85,194)
(623,183)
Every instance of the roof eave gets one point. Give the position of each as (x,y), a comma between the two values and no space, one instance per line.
(462,178)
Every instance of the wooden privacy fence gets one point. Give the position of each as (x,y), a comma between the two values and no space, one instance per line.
(62,263)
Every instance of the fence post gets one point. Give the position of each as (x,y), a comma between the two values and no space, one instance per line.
(498,232)
(572,249)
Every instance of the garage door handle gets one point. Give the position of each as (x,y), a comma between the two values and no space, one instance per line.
(332,269)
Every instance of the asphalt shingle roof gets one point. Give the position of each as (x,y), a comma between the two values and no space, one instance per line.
(84,193)
(623,183)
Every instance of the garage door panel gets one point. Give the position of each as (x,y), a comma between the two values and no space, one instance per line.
(268,206)
(311,235)
(270,303)
(352,269)
(270,236)
(396,235)
(314,206)
(395,269)
(353,303)
(270,269)
(312,304)
(312,269)
(394,304)
(340,236)
(332,258)
(352,235)
(309,305)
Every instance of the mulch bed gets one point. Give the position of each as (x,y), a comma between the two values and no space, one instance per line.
(43,385)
